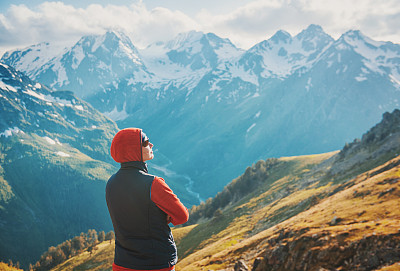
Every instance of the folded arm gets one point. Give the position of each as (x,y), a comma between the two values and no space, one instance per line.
(167,201)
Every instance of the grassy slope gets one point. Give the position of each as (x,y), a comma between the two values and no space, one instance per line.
(262,208)
(283,212)
(6,267)
(228,229)
(100,259)
(364,209)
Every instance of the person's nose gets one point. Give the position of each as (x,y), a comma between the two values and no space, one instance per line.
(151,145)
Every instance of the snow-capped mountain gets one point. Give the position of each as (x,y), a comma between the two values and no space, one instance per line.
(377,57)
(184,61)
(213,108)
(192,52)
(88,67)
(282,54)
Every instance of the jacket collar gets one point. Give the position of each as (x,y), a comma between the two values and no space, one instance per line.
(135,164)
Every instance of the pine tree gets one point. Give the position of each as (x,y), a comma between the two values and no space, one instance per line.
(102,236)
(110,236)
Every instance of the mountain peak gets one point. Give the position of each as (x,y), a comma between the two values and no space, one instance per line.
(314,28)
(314,37)
(355,37)
(281,35)
(184,38)
(118,35)
(109,41)
(354,34)
(312,31)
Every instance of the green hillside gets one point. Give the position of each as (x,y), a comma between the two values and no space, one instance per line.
(335,210)
(54,163)
(350,218)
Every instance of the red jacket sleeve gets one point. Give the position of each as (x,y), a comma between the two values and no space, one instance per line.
(167,201)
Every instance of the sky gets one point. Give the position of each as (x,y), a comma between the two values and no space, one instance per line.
(244,22)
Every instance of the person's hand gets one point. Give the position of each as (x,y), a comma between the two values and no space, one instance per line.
(168,219)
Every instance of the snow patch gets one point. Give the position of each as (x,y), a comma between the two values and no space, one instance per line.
(98,42)
(395,80)
(309,85)
(227,52)
(7,87)
(11,131)
(214,85)
(360,78)
(62,78)
(62,154)
(251,127)
(239,72)
(51,141)
(116,115)
(79,55)
(39,96)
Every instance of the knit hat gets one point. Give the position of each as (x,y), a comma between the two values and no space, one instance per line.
(127,145)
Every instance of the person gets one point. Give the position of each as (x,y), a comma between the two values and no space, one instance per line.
(141,206)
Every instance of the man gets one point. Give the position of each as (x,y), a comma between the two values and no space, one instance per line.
(141,206)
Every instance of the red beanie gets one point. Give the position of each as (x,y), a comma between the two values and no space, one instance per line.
(127,146)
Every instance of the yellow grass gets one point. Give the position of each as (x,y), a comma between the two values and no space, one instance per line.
(393,267)
(100,259)
(6,267)
(361,216)
(179,233)
(312,158)
(243,231)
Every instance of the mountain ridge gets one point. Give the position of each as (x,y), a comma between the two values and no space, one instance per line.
(314,102)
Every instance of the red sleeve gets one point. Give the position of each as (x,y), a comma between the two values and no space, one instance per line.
(167,201)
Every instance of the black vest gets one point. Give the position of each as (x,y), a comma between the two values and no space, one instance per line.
(143,239)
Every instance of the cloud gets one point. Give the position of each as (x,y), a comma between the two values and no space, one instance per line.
(245,26)
(259,20)
(58,22)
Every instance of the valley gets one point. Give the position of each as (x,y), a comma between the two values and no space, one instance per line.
(337,210)
(271,147)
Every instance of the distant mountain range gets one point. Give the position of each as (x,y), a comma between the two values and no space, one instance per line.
(212,108)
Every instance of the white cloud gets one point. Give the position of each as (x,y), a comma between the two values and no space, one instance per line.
(260,19)
(245,26)
(56,21)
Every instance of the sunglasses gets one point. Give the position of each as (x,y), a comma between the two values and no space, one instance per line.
(145,143)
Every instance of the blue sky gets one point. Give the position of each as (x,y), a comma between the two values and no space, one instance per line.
(244,22)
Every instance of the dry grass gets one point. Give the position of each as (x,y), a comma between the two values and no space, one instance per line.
(393,267)
(364,209)
(100,259)
(364,206)
(246,218)
(6,267)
